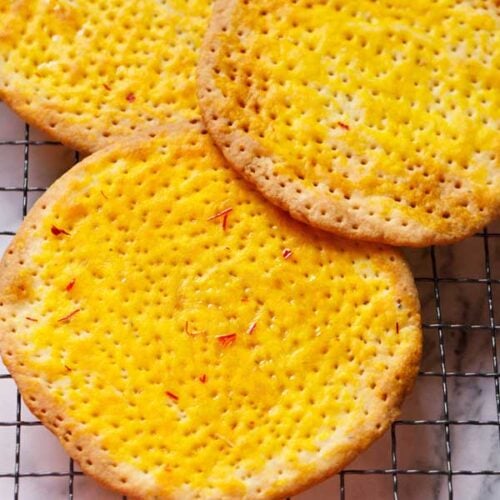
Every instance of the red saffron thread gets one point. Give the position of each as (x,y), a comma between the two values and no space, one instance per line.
(31,319)
(226,340)
(221,214)
(56,231)
(171,395)
(130,97)
(344,126)
(397,327)
(287,253)
(70,285)
(244,299)
(69,316)
(67,368)
(106,86)
(224,214)
(202,378)
(252,328)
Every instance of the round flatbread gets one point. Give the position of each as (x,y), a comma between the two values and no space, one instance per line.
(374,120)
(185,339)
(90,72)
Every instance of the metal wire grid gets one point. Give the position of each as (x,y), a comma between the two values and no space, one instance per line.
(438,326)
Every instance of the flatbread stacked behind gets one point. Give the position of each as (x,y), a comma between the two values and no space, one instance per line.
(373,120)
(91,72)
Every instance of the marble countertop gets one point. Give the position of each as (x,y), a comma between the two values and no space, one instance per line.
(462,296)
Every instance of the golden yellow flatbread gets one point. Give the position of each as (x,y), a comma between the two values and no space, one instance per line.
(376,120)
(91,71)
(185,339)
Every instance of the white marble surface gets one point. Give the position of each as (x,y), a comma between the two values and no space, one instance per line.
(473,448)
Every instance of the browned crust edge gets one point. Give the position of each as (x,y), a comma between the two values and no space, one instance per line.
(39,115)
(75,136)
(255,163)
(86,449)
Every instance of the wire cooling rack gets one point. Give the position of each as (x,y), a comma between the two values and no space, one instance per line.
(446,444)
